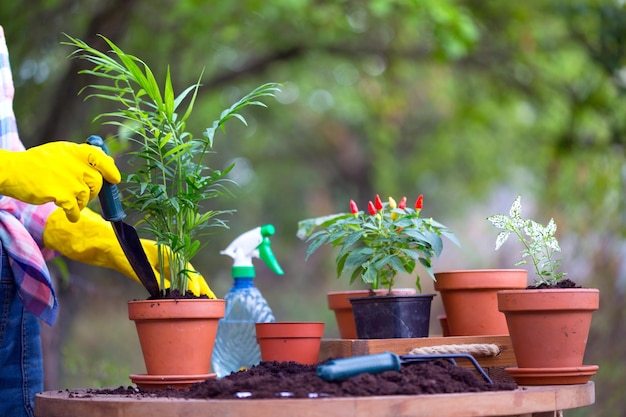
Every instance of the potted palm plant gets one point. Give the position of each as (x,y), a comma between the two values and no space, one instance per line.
(549,321)
(375,246)
(170,187)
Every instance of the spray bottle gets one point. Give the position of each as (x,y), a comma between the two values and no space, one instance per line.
(236,346)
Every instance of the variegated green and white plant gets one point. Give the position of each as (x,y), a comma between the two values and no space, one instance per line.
(540,244)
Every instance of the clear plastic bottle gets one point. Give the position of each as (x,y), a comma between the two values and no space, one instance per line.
(235,345)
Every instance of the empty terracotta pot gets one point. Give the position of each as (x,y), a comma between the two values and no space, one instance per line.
(290,341)
(470,299)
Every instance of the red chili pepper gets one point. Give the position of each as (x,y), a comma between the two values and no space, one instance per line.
(402,204)
(378,203)
(371,208)
(419,203)
(353,207)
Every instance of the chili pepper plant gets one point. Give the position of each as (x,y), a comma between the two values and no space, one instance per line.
(376,245)
(172,181)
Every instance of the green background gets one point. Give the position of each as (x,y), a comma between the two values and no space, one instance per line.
(467,102)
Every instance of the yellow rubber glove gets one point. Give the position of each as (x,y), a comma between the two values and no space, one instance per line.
(67,173)
(91,240)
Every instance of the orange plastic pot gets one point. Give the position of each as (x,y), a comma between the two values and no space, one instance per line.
(339,302)
(470,299)
(549,328)
(290,341)
(177,336)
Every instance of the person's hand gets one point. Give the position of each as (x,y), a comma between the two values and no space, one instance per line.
(91,240)
(67,173)
(196,284)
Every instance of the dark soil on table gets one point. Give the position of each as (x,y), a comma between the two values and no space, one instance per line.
(294,380)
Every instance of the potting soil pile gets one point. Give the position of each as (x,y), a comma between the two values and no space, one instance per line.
(294,380)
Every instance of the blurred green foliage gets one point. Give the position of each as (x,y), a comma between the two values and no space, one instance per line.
(467,102)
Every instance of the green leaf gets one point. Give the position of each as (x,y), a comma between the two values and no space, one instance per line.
(169,94)
(315,244)
(357,258)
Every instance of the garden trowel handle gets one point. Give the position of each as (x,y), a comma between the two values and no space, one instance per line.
(339,369)
(109,195)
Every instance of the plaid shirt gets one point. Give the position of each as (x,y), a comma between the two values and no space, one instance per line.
(22,225)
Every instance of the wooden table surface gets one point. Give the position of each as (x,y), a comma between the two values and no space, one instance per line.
(540,401)
(524,401)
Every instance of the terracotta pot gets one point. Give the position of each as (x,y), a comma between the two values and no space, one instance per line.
(443,323)
(290,341)
(176,336)
(549,329)
(339,302)
(470,301)
(392,316)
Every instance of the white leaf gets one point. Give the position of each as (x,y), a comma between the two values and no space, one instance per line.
(516,208)
(502,237)
(498,220)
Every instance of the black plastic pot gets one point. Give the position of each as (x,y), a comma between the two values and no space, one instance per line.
(392,316)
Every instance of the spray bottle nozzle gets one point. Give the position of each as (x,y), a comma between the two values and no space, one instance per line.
(268,230)
(253,243)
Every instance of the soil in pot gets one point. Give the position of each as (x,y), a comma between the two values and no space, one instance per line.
(294,380)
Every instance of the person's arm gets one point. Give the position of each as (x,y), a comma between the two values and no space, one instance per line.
(91,240)
(68,175)
(33,217)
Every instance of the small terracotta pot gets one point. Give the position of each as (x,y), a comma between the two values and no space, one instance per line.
(290,341)
(339,302)
(470,300)
(549,328)
(177,336)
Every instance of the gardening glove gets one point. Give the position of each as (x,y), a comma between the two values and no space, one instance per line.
(67,173)
(91,240)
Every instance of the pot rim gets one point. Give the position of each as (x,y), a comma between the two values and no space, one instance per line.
(399,297)
(477,270)
(481,279)
(550,290)
(581,299)
(196,308)
(338,300)
(289,329)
